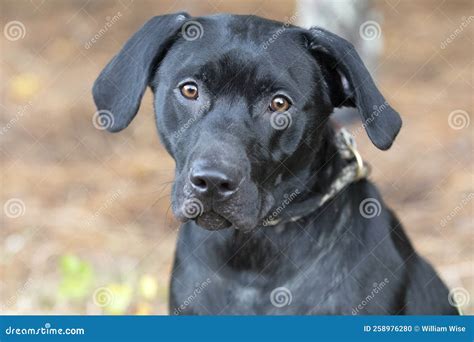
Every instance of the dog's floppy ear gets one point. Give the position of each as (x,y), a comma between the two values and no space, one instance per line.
(381,121)
(120,86)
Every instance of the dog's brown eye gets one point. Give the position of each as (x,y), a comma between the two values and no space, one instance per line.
(280,104)
(190,90)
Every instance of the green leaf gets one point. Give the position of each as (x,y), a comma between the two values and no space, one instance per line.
(76,277)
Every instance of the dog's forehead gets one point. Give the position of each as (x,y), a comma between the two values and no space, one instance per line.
(204,37)
(236,47)
(246,27)
(256,33)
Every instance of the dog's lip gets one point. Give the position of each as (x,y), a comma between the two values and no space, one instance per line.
(212,220)
(208,219)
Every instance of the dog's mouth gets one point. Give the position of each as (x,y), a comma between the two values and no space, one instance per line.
(243,211)
(212,221)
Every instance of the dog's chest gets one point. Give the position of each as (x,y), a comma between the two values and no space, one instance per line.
(252,294)
(255,278)
(294,278)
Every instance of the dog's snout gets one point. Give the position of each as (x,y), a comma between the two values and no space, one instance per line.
(214,181)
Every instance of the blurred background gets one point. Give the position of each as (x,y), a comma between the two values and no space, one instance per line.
(86,225)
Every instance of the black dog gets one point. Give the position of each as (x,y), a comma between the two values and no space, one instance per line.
(243,104)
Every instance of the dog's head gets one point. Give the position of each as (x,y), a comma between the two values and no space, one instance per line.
(242,105)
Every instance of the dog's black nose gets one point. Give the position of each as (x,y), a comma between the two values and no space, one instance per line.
(213,181)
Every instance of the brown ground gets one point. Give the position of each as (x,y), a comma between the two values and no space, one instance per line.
(105,198)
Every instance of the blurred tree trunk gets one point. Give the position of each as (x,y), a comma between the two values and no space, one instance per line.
(348,19)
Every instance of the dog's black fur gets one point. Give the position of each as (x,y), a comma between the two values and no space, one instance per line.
(333,260)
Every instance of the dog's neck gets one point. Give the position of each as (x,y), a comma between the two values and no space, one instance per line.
(254,249)
(326,163)
(310,174)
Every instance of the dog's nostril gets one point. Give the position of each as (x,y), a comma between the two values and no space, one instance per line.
(199,182)
(212,182)
(226,186)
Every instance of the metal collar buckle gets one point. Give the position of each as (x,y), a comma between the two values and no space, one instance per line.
(349,142)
